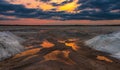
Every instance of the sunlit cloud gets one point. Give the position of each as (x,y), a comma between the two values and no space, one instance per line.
(57,1)
(68,7)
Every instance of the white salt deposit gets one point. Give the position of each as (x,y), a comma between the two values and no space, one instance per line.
(109,43)
(9,45)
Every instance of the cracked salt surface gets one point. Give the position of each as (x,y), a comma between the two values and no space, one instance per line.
(109,43)
(9,45)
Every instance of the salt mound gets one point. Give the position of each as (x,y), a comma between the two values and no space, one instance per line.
(109,43)
(9,45)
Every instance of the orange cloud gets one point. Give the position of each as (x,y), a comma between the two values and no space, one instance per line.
(70,7)
(47,6)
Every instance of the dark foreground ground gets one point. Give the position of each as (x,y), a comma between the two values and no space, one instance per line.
(59,48)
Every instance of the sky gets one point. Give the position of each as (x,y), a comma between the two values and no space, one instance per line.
(59,12)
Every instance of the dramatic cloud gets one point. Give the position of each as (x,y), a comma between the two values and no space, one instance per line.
(49,5)
(61,9)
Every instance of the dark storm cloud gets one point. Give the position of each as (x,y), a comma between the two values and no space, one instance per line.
(90,9)
(2,2)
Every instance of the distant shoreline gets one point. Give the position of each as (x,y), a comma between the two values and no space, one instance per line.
(58,25)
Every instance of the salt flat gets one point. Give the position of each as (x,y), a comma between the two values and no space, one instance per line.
(59,48)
